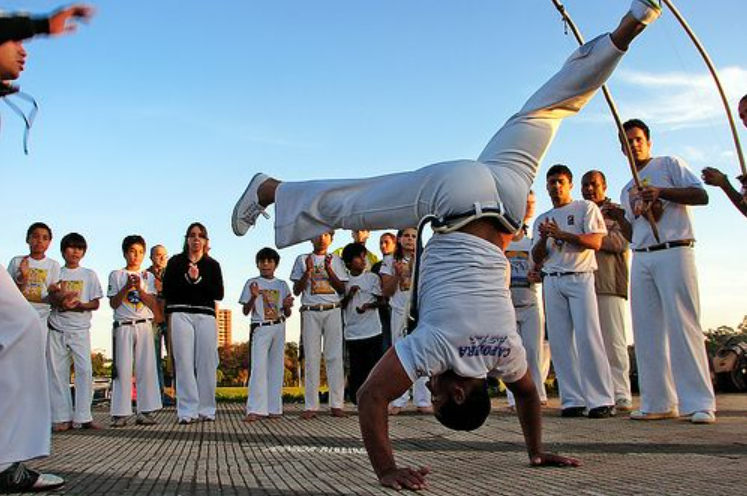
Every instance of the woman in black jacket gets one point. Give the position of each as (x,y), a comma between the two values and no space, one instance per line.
(192,284)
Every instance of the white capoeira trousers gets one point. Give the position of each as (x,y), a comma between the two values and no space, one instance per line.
(64,347)
(268,368)
(669,343)
(135,342)
(502,175)
(24,395)
(194,341)
(530,325)
(612,310)
(576,342)
(421,396)
(317,327)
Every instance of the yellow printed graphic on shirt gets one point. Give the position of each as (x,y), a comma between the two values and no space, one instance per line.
(519,261)
(320,281)
(271,303)
(75,287)
(37,283)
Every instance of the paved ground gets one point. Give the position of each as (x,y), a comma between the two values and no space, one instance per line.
(291,456)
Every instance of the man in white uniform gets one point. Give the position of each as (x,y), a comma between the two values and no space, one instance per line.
(319,278)
(670,353)
(25,432)
(611,284)
(566,239)
(479,205)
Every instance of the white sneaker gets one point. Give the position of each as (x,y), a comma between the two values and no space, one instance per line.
(624,405)
(646,11)
(247,209)
(706,417)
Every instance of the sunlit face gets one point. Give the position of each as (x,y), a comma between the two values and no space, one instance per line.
(38,241)
(593,187)
(743,111)
(73,255)
(531,206)
(361,236)
(640,145)
(387,245)
(159,257)
(559,188)
(196,240)
(321,243)
(267,268)
(12,60)
(408,239)
(134,256)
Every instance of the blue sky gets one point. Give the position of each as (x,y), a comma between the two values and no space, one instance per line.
(159,112)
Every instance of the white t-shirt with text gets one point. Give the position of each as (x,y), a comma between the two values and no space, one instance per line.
(577,217)
(42,274)
(367,324)
(132,307)
(268,306)
(318,290)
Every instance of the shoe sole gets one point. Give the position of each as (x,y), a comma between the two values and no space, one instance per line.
(237,229)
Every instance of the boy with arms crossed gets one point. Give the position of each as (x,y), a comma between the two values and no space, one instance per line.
(320,278)
(132,296)
(269,301)
(70,334)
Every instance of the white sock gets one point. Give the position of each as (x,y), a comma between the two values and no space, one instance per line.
(643,12)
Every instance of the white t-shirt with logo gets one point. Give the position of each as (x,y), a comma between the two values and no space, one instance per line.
(85,283)
(318,290)
(401,297)
(577,217)
(367,324)
(519,254)
(467,322)
(676,220)
(132,307)
(268,306)
(42,274)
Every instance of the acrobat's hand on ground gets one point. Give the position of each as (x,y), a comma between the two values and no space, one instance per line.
(63,20)
(552,460)
(405,478)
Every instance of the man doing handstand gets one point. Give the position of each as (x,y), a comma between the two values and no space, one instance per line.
(479,205)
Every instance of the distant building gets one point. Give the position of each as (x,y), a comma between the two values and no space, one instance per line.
(225,334)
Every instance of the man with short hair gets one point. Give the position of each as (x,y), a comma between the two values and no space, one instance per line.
(361,236)
(565,241)
(671,358)
(611,285)
(26,425)
(466,328)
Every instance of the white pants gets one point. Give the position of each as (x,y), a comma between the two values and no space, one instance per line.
(530,325)
(669,343)
(194,339)
(268,368)
(24,395)
(421,396)
(135,342)
(612,311)
(576,342)
(314,326)
(502,175)
(62,348)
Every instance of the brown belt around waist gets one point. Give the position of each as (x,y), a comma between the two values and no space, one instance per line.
(319,308)
(665,246)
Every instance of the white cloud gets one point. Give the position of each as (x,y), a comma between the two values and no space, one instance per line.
(678,100)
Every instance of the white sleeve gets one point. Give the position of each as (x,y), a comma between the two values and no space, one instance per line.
(387,266)
(285,293)
(94,286)
(150,283)
(245,293)
(681,174)
(594,220)
(339,267)
(54,273)
(113,287)
(299,267)
(421,353)
(376,285)
(13,267)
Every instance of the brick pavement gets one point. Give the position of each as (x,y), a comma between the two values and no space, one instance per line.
(290,456)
